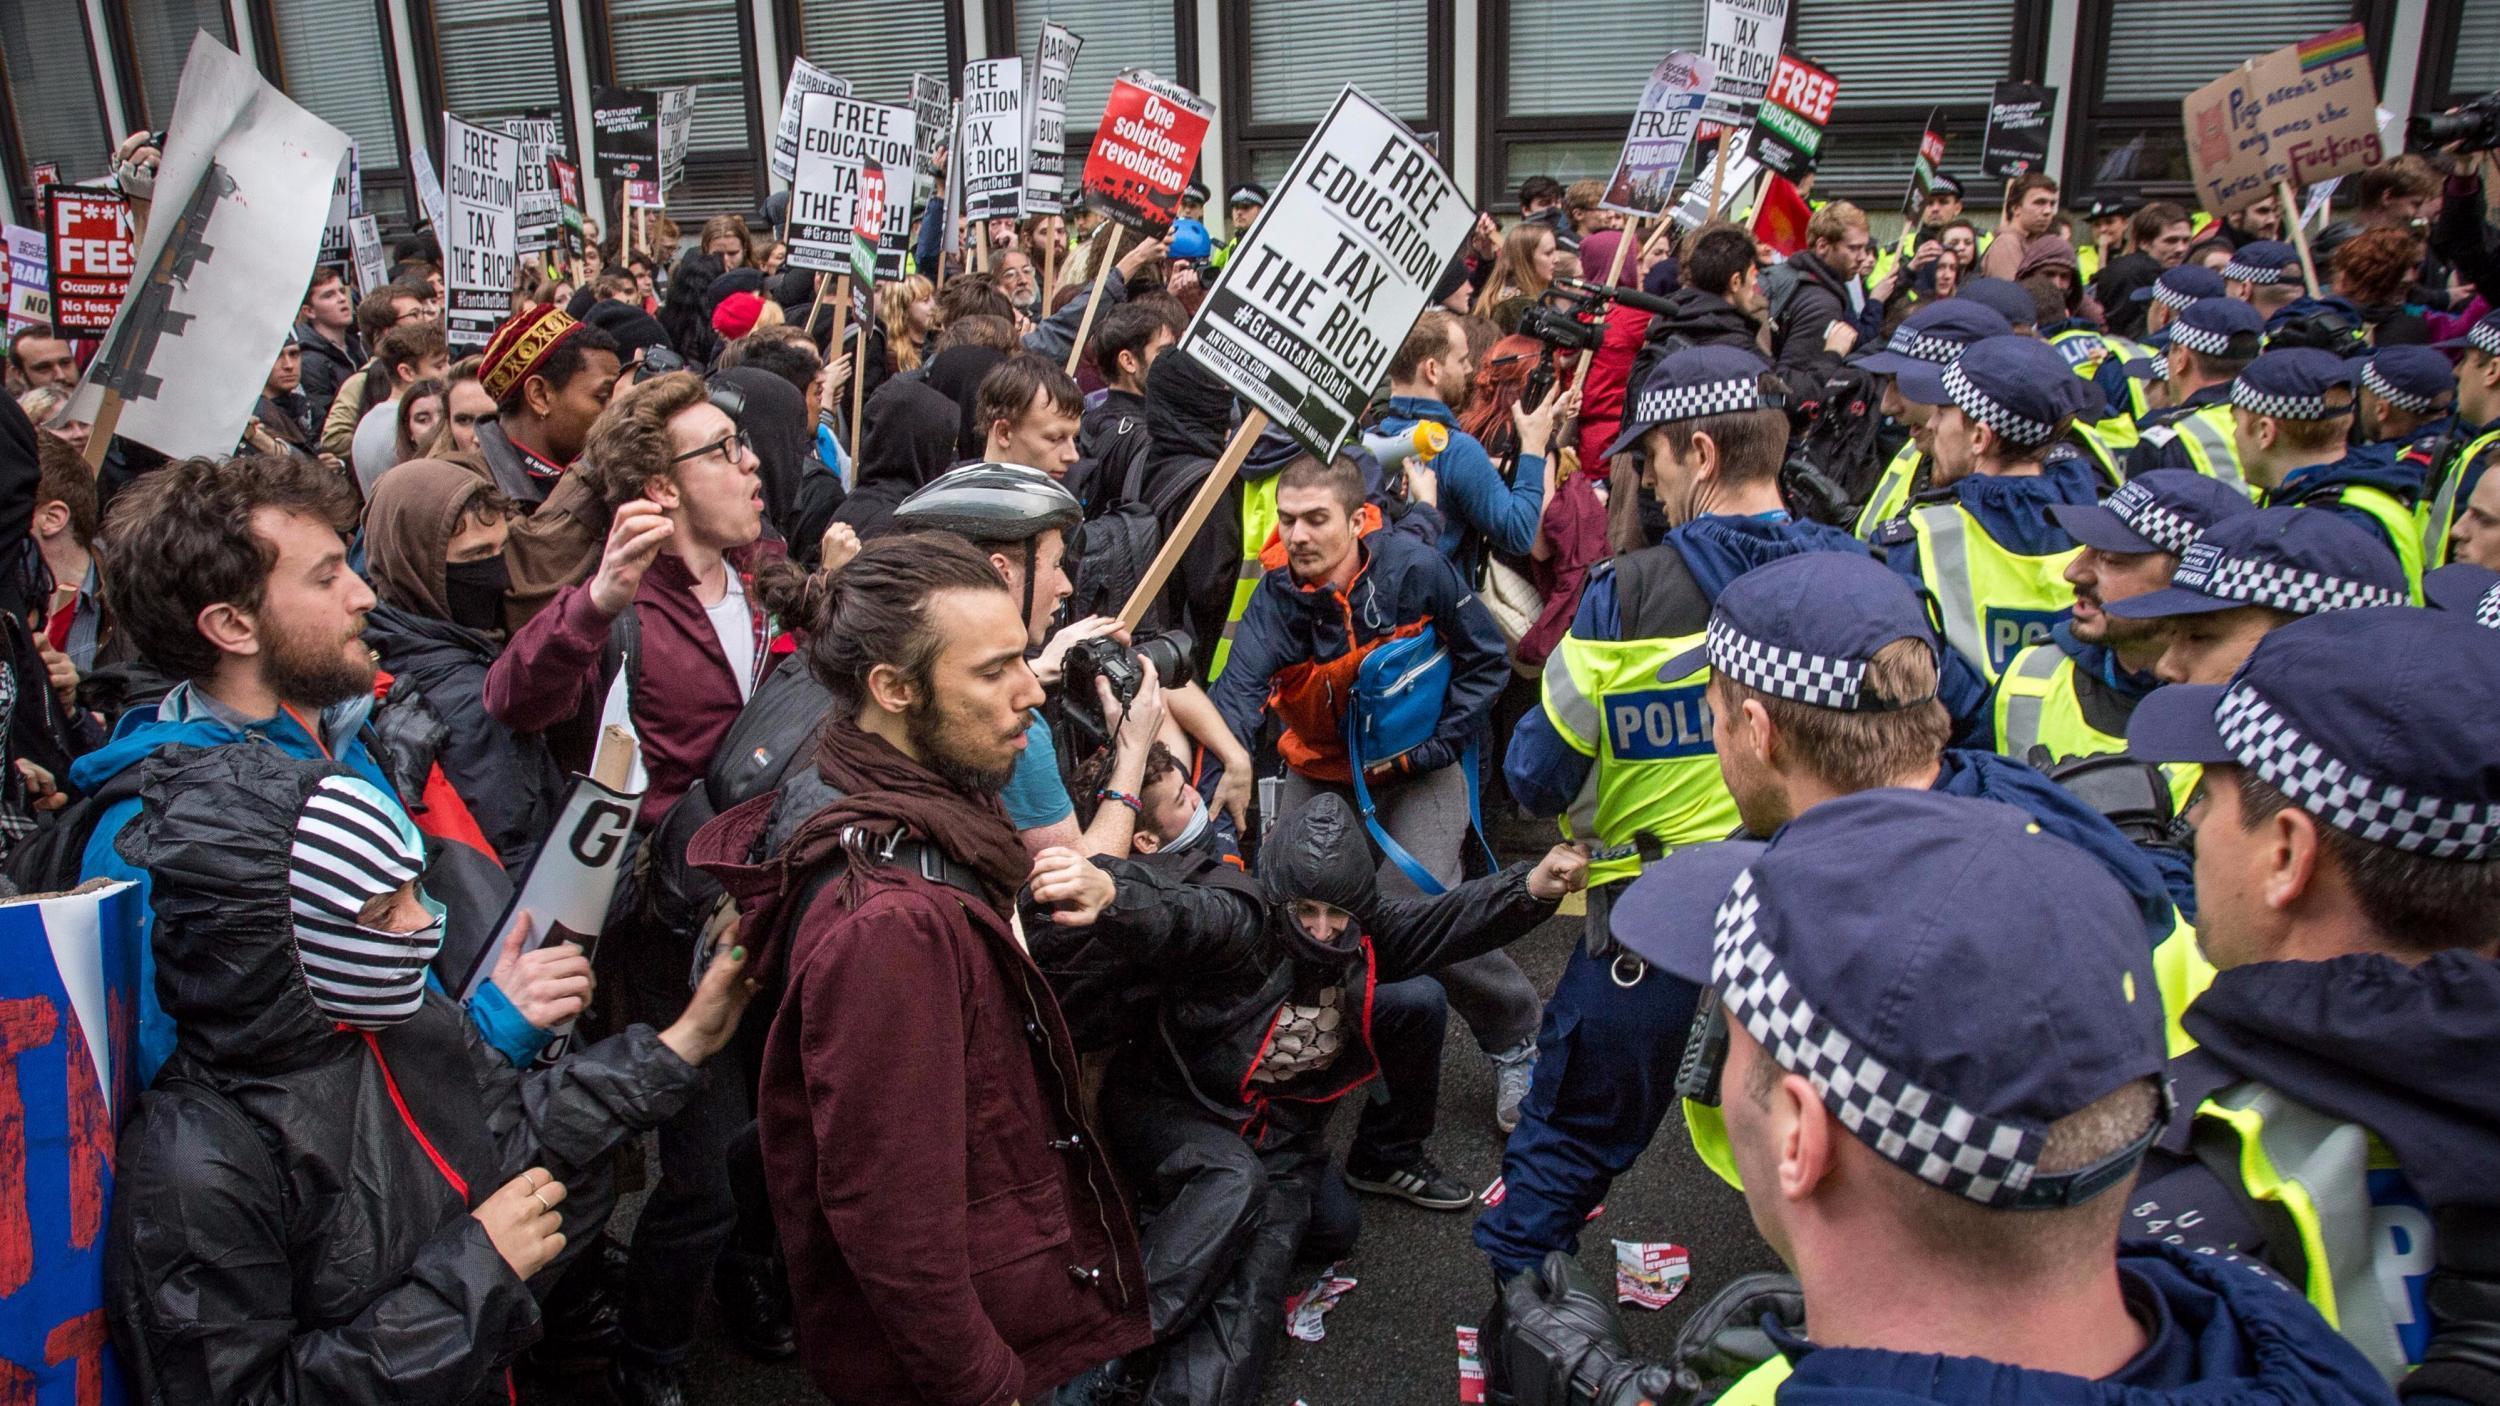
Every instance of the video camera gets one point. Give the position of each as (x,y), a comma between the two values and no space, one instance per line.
(1571,317)
(2473,127)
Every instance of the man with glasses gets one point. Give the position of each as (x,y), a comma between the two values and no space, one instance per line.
(1814,295)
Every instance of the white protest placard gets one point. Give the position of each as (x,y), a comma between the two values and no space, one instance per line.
(1693,211)
(364,236)
(429,186)
(932,107)
(536,211)
(991,151)
(1653,151)
(30,278)
(241,195)
(1329,281)
(481,248)
(1046,121)
(1742,41)
(676,125)
(839,136)
(805,78)
(347,200)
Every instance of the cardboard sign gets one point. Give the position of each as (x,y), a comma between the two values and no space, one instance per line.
(839,138)
(373,267)
(239,201)
(1923,168)
(1144,149)
(1742,41)
(481,249)
(566,179)
(1328,281)
(2301,113)
(805,78)
(625,134)
(1788,127)
(93,256)
(347,201)
(2017,138)
(676,126)
(1046,121)
(69,1000)
(991,149)
(536,212)
(1662,130)
(30,278)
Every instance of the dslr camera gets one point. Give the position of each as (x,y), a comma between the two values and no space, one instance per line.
(1169,654)
(2473,127)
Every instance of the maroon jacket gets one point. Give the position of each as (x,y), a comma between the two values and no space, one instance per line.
(549,674)
(955,1233)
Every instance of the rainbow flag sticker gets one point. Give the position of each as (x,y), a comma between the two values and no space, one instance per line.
(2334,46)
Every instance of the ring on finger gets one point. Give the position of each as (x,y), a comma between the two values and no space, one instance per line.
(542,1203)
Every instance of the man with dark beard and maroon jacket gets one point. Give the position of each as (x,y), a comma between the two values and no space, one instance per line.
(954,1231)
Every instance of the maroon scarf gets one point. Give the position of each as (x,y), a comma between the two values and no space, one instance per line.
(884,791)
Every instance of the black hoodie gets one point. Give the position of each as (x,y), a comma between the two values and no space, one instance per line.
(798,488)
(1188,415)
(908,439)
(956,373)
(1694,319)
(291,1217)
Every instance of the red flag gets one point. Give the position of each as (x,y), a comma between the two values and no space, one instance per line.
(1780,219)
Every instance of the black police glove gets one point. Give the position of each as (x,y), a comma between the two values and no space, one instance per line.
(1724,1339)
(1553,1340)
(408,736)
(2463,1360)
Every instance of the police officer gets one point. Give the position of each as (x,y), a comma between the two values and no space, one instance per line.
(1932,336)
(1877,1035)
(2176,291)
(1942,207)
(2291,415)
(2250,574)
(2108,219)
(2207,345)
(1979,538)
(1241,210)
(1194,201)
(2455,474)
(1822,678)
(2007,299)
(2408,400)
(2339,1118)
(2265,274)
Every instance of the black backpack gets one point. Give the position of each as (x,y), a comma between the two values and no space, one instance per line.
(51,859)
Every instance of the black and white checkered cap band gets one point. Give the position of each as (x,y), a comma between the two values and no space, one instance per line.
(2487,610)
(2147,518)
(2300,592)
(1918,346)
(1812,679)
(1919,1130)
(2251,273)
(2379,812)
(2172,298)
(1697,402)
(2159,370)
(2021,429)
(2282,406)
(2484,336)
(2394,394)
(2201,339)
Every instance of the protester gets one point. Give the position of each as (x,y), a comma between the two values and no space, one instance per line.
(281,418)
(1482,509)
(392,306)
(1812,327)
(466,405)
(1521,274)
(1112,437)
(1029,412)
(45,405)
(39,359)
(419,416)
(2159,234)
(550,377)
(326,333)
(2030,208)
(407,355)
(74,622)
(2375,271)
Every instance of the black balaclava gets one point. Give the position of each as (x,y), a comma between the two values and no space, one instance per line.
(1317,851)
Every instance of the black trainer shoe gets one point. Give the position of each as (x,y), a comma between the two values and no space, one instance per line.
(754,1298)
(639,1382)
(1421,1181)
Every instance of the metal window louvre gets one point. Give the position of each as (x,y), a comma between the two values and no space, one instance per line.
(1303,51)
(160,39)
(2162,50)
(1556,69)
(671,43)
(1118,34)
(497,58)
(2476,67)
(331,60)
(1885,57)
(51,88)
(712,187)
(1871,168)
(876,48)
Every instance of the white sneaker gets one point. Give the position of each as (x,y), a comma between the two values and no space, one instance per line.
(1513,1070)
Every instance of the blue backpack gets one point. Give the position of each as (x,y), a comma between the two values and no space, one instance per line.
(1399,690)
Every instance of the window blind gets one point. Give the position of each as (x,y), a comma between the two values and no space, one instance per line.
(51,87)
(1118,34)
(2162,50)
(1303,51)
(671,43)
(497,58)
(2477,67)
(1887,57)
(877,48)
(160,39)
(1556,70)
(331,58)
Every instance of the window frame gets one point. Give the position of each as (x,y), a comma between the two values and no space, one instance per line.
(2441,27)
(126,60)
(598,38)
(429,65)
(400,176)
(18,168)
(1244,139)
(1000,18)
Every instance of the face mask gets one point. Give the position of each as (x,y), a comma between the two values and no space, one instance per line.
(353,845)
(476,590)
(1191,833)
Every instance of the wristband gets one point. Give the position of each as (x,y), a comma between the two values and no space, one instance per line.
(1136,806)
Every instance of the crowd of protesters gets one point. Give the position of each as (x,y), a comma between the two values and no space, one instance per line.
(2014,702)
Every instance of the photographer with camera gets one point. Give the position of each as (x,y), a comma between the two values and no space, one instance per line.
(1429,379)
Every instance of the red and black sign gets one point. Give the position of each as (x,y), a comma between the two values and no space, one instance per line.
(93,256)
(1144,150)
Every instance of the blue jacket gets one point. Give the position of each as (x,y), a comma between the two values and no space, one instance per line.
(2367,465)
(1990,777)
(2220,1332)
(184,719)
(1545,772)
(1476,506)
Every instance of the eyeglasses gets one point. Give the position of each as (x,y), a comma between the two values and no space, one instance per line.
(720,446)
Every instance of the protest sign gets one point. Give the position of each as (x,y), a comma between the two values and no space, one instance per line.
(2290,117)
(625,134)
(1144,149)
(992,147)
(1694,210)
(1046,121)
(644,195)
(46,175)
(1741,38)
(1780,216)
(1788,126)
(2017,138)
(838,138)
(536,212)
(93,256)
(951,236)
(481,257)
(932,112)
(1662,128)
(1329,280)
(1923,169)
(805,78)
(347,201)
(373,269)
(69,997)
(30,278)
(868,219)
(566,179)
(429,185)
(676,126)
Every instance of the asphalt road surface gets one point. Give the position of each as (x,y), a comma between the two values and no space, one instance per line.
(1391,1341)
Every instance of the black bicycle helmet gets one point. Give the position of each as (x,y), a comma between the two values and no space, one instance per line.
(992,505)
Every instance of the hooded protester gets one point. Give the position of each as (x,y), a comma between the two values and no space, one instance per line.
(1263,1026)
(957,373)
(909,439)
(774,415)
(434,538)
(636,333)
(1188,415)
(684,313)
(336,1191)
